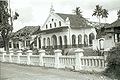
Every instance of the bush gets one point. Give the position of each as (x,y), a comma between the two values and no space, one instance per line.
(113,66)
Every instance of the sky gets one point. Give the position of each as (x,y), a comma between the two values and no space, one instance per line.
(35,12)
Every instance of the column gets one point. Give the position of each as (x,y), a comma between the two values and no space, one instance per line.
(78,62)
(57,55)
(18,55)
(41,54)
(37,42)
(19,45)
(29,53)
(10,56)
(105,56)
(3,57)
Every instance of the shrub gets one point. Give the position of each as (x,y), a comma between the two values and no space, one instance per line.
(113,66)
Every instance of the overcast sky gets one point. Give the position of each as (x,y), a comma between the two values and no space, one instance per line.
(35,12)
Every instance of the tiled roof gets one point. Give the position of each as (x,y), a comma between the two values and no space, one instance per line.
(115,23)
(27,29)
(75,20)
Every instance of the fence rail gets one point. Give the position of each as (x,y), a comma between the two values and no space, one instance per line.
(77,61)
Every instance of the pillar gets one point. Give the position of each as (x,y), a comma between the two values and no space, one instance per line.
(41,54)
(19,53)
(37,43)
(10,56)
(78,62)
(3,57)
(105,56)
(29,53)
(57,60)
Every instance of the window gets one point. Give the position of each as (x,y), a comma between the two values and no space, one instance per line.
(50,25)
(73,40)
(46,26)
(59,23)
(10,45)
(65,41)
(55,24)
(52,19)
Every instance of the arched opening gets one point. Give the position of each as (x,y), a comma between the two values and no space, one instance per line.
(55,24)
(65,41)
(101,42)
(39,42)
(60,41)
(50,25)
(73,41)
(91,38)
(59,23)
(44,43)
(48,42)
(85,40)
(79,40)
(54,40)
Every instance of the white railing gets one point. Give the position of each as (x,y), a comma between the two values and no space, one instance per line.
(34,59)
(77,61)
(23,59)
(49,60)
(67,61)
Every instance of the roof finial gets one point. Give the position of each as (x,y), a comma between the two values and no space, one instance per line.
(51,9)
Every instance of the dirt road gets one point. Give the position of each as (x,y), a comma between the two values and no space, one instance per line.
(20,72)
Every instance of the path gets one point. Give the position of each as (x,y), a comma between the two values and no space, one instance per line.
(20,72)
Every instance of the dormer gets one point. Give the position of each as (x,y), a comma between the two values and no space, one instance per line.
(67,21)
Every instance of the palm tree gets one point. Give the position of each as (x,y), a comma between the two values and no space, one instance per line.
(105,14)
(118,13)
(77,11)
(98,12)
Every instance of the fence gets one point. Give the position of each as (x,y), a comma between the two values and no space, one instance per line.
(77,61)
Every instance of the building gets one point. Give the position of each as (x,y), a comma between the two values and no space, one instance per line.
(23,39)
(61,31)
(113,32)
(111,36)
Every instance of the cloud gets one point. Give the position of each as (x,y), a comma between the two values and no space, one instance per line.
(35,12)
(25,14)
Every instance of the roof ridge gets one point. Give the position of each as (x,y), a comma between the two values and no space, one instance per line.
(65,13)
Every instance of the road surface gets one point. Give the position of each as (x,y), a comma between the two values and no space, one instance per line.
(21,72)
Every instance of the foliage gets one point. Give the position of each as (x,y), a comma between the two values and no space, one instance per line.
(118,13)
(113,59)
(5,27)
(77,11)
(99,12)
(105,14)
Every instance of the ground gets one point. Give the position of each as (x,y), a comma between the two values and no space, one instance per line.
(21,72)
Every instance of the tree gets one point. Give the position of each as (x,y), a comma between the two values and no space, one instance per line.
(5,27)
(98,12)
(118,13)
(113,60)
(77,11)
(104,14)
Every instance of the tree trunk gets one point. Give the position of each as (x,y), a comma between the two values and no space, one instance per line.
(99,20)
(6,44)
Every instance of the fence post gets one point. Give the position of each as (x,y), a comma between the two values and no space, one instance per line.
(105,56)
(29,53)
(19,53)
(3,56)
(78,62)
(57,60)
(10,56)
(41,54)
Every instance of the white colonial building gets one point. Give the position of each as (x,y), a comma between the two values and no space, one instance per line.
(65,31)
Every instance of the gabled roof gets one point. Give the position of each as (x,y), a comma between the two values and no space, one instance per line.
(27,29)
(75,20)
(115,23)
